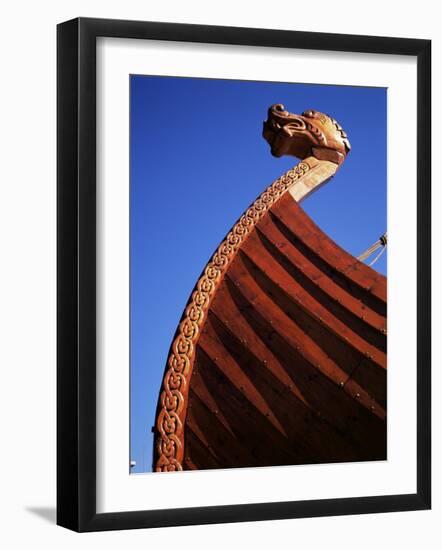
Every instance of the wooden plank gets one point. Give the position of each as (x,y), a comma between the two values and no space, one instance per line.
(303,306)
(361,279)
(353,311)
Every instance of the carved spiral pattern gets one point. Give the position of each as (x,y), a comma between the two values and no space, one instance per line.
(172,411)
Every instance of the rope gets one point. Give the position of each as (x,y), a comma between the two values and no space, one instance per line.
(380,243)
(378,256)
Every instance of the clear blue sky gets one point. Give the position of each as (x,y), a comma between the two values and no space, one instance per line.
(197,161)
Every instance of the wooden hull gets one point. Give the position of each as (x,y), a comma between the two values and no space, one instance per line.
(290,365)
(280,356)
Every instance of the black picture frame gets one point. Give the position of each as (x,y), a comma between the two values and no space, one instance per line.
(76,274)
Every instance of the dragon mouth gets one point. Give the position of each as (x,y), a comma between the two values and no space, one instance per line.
(279,126)
(272,134)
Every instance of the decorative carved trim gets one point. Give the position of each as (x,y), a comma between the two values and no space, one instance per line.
(172,406)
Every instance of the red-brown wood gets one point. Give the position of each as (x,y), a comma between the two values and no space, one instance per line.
(290,365)
(280,355)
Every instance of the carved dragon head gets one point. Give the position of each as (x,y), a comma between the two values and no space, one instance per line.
(310,134)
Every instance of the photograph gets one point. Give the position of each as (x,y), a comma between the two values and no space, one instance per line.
(219,319)
(258,274)
(243,267)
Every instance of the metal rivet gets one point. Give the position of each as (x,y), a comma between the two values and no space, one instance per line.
(341,384)
(358,395)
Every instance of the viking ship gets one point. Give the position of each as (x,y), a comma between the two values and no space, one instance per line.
(280,354)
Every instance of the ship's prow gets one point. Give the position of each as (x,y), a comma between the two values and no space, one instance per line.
(280,356)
